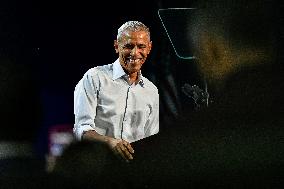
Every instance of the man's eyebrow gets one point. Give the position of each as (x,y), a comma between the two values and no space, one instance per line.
(128,45)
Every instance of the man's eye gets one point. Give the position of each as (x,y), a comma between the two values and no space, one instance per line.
(128,47)
(142,46)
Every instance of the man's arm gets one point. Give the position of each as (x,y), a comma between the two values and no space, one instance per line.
(85,103)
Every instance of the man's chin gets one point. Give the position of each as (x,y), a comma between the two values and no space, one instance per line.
(134,68)
(133,71)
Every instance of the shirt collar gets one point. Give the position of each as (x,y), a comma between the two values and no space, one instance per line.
(140,80)
(119,72)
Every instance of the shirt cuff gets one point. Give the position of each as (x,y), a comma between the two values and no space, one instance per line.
(78,130)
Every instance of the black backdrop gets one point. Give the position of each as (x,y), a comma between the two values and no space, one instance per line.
(63,39)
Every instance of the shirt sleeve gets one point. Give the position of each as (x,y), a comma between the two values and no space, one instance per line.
(85,103)
(152,124)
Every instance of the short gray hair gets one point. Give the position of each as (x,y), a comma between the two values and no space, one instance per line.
(132,26)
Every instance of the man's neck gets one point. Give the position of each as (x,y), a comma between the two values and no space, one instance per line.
(133,77)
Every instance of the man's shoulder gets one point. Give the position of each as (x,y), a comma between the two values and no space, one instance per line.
(98,70)
(149,84)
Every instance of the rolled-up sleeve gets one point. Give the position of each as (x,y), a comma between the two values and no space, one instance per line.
(85,103)
(152,124)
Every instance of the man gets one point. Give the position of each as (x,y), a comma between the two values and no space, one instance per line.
(114,103)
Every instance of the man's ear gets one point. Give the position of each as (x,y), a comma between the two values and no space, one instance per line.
(115,44)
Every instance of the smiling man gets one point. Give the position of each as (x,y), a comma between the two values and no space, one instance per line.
(114,103)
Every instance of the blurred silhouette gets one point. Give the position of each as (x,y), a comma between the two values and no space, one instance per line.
(88,164)
(236,142)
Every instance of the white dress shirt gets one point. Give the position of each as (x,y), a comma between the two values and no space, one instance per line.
(106,102)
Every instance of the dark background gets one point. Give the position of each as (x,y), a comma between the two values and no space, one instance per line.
(61,40)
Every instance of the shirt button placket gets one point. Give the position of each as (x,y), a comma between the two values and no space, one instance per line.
(125,115)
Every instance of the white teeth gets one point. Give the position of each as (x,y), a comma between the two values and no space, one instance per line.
(133,60)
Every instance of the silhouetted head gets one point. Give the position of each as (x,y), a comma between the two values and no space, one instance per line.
(87,164)
(229,35)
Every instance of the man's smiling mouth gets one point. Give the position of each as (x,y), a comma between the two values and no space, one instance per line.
(133,60)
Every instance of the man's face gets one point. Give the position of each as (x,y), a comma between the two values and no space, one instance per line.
(133,49)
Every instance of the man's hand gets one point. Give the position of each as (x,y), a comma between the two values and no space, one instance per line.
(122,148)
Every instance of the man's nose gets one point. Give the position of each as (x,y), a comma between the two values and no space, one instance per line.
(134,51)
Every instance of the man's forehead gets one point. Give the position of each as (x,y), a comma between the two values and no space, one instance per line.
(134,34)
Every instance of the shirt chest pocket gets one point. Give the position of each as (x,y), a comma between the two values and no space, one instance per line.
(141,116)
